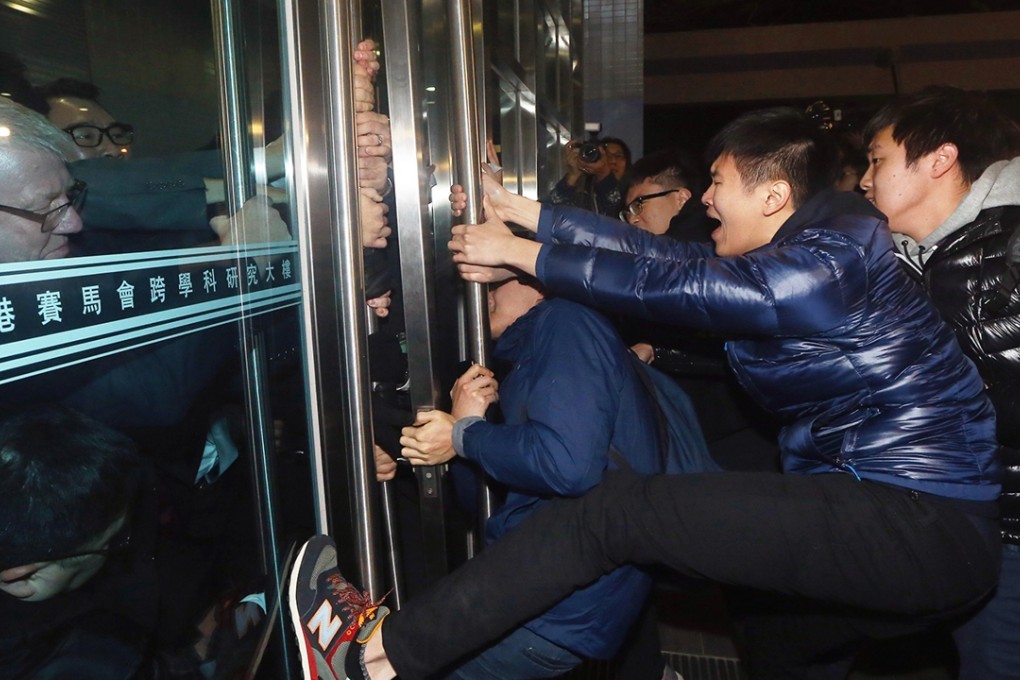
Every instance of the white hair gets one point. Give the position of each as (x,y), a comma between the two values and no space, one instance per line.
(22,129)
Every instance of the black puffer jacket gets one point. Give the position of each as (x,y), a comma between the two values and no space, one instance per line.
(968,278)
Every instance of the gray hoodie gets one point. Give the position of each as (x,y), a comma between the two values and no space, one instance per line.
(998,185)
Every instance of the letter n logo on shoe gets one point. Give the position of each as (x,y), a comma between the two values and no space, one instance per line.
(326,624)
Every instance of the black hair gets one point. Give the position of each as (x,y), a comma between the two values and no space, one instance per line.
(672,168)
(779,144)
(605,141)
(935,115)
(14,84)
(64,479)
(69,87)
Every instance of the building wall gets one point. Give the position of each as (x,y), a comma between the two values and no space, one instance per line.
(613,68)
(848,59)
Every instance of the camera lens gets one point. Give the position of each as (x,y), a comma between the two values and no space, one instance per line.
(589,152)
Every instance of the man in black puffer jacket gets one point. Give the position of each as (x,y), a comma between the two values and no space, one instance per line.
(939,170)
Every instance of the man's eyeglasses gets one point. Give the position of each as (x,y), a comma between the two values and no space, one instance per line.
(49,220)
(118,544)
(635,207)
(91,136)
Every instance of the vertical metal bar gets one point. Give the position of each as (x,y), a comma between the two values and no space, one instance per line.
(305,116)
(338,53)
(410,178)
(391,537)
(469,144)
(356,22)
(239,186)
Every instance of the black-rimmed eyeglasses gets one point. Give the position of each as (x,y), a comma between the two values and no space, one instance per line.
(634,208)
(49,220)
(90,136)
(118,544)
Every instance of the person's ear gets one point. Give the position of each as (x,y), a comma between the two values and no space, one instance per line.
(777,197)
(681,197)
(945,158)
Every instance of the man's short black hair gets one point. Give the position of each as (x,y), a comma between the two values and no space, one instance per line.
(14,84)
(64,479)
(779,144)
(670,168)
(69,87)
(938,114)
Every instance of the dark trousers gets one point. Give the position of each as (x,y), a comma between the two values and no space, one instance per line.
(876,553)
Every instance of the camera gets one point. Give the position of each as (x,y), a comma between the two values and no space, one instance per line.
(591,151)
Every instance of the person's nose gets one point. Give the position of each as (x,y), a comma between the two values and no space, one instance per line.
(111,150)
(706,198)
(70,223)
(865,182)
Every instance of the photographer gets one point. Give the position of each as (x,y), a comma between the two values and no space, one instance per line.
(589,182)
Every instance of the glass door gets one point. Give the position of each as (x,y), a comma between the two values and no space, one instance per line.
(194,279)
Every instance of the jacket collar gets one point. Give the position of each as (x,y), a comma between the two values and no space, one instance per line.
(825,205)
(511,344)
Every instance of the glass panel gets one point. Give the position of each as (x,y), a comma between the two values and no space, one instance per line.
(149,312)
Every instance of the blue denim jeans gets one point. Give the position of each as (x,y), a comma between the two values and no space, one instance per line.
(989,642)
(521,655)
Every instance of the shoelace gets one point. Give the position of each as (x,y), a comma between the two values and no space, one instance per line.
(353,601)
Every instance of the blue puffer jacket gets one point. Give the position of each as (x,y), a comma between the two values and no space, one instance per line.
(826,331)
(571,393)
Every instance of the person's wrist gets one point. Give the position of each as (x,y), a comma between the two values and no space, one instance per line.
(524,212)
(523,254)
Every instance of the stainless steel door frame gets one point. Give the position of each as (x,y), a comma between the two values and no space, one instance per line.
(411,180)
(467,91)
(317,53)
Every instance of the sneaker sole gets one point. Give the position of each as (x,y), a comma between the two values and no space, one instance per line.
(304,645)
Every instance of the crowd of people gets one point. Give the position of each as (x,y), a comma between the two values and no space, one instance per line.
(847,338)
(884,375)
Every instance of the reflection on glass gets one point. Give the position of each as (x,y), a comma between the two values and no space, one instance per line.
(123,305)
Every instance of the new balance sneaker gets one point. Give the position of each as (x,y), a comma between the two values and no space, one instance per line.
(329,614)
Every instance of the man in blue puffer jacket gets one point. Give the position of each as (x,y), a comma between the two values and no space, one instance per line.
(885,521)
(572,396)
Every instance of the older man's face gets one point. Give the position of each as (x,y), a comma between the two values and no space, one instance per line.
(37,182)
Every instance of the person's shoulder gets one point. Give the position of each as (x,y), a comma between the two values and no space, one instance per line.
(991,226)
(561,311)
(564,320)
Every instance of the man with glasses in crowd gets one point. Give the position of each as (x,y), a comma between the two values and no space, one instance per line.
(38,195)
(77,589)
(75,109)
(658,200)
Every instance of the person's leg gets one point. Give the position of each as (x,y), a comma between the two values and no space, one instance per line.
(521,655)
(989,642)
(783,637)
(825,537)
